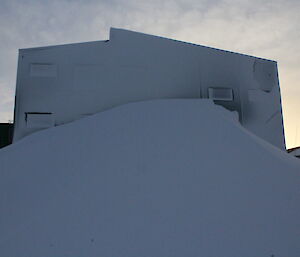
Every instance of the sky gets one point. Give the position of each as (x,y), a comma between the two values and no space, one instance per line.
(267,29)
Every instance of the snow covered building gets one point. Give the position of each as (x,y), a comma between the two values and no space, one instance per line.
(59,84)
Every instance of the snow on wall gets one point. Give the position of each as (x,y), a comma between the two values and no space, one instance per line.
(72,81)
(156,178)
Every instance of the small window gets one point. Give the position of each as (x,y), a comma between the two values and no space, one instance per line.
(220,94)
(39,119)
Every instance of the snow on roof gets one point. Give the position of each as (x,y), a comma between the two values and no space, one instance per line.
(154,178)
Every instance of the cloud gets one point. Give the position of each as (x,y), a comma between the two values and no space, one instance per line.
(268,29)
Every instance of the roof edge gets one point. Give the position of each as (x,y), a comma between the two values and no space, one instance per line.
(117,30)
(60,45)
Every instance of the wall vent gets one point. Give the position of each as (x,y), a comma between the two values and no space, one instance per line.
(220,94)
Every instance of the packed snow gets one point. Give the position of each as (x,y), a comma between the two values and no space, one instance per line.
(178,178)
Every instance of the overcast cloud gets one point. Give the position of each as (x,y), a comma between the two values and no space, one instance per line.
(269,29)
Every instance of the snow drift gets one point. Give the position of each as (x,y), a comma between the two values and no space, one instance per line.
(158,178)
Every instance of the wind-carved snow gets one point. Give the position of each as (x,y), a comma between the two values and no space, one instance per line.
(156,178)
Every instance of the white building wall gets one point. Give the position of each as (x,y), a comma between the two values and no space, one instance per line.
(58,84)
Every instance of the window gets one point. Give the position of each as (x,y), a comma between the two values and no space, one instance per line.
(39,119)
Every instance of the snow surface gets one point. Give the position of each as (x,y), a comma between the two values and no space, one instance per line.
(157,178)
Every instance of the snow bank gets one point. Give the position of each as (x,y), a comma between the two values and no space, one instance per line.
(158,178)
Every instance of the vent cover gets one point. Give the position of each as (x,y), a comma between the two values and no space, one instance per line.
(220,94)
